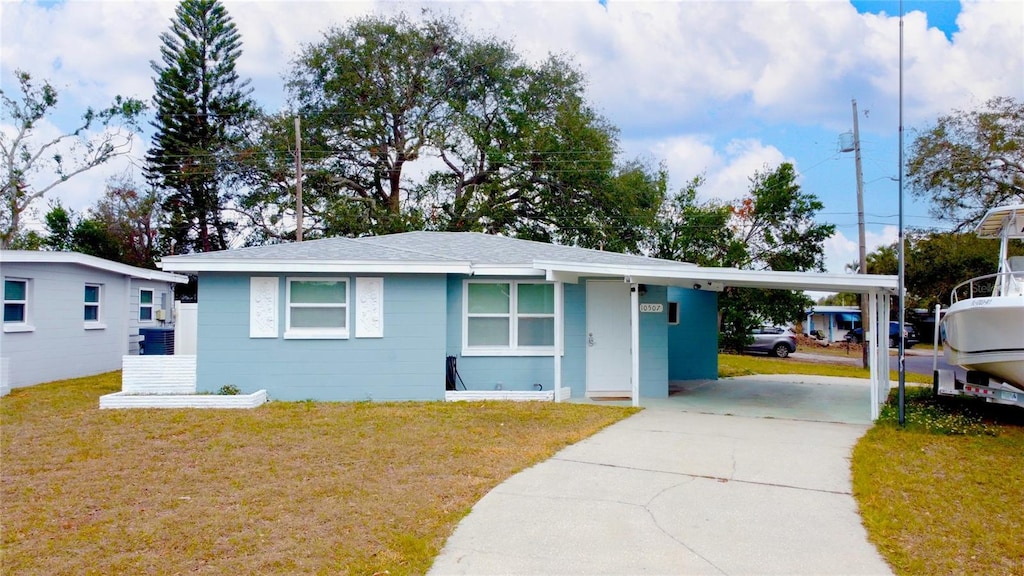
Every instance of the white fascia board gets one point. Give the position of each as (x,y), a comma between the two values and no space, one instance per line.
(34,256)
(314,266)
(688,275)
(506,270)
(592,269)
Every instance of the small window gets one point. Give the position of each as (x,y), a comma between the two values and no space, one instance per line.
(145,305)
(317,308)
(92,303)
(673,313)
(15,301)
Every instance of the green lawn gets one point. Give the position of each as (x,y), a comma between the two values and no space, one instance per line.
(944,495)
(300,487)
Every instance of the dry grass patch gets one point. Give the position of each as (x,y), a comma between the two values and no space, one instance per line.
(945,494)
(287,488)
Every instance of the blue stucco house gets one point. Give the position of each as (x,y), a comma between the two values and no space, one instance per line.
(382,317)
(68,314)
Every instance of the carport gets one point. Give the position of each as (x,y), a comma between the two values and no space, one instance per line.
(878,288)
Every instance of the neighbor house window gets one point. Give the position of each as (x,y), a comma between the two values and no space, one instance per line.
(15,301)
(516,318)
(92,303)
(317,308)
(145,305)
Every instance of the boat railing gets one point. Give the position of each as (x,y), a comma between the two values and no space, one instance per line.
(998,284)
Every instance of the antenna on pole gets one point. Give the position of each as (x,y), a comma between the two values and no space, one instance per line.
(901,296)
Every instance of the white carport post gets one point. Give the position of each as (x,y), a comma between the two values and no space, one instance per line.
(871,341)
(559,339)
(883,347)
(634,341)
(878,350)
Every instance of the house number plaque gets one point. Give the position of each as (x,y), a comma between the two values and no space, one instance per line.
(652,307)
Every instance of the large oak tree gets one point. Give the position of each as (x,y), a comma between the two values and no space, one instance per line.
(409,125)
(970,161)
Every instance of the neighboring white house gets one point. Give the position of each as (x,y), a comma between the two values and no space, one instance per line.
(833,322)
(68,314)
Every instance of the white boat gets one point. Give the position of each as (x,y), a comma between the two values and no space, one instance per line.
(984,326)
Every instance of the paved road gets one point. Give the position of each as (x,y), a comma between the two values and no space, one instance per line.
(916,361)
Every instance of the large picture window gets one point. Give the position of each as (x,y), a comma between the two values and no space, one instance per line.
(317,308)
(513,318)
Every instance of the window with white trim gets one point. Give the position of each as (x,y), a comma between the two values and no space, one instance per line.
(15,301)
(316,308)
(513,318)
(145,305)
(91,303)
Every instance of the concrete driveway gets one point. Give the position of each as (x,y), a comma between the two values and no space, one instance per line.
(679,489)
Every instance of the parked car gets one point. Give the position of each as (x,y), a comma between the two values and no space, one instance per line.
(910,337)
(780,342)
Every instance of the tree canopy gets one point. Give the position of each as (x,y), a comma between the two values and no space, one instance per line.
(771,228)
(499,144)
(32,168)
(970,161)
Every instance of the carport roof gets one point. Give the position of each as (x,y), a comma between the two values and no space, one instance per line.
(489,255)
(707,278)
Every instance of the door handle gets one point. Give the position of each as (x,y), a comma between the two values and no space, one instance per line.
(590,339)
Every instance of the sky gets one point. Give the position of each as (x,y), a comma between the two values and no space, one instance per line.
(720,88)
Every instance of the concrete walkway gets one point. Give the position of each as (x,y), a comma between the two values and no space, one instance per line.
(670,491)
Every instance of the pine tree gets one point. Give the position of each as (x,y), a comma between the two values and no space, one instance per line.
(201,109)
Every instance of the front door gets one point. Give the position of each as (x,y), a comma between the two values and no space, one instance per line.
(608,339)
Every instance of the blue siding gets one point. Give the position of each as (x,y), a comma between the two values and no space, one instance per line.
(693,343)
(406,364)
(522,372)
(486,372)
(654,345)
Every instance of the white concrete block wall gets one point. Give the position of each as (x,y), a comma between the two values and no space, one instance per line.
(158,374)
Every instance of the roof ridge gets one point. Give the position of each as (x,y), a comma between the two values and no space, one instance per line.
(406,250)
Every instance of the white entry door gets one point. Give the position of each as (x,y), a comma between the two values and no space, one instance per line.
(608,339)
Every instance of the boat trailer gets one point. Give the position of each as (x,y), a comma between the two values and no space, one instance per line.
(979,385)
(976,384)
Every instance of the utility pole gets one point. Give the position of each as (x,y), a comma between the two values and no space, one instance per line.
(863,265)
(298,181)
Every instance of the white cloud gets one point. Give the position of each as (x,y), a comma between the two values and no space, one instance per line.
(694,83)
(841,250)
(727,171)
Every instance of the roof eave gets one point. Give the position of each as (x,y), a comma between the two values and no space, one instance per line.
(272,266)
(77,258)
(692,276)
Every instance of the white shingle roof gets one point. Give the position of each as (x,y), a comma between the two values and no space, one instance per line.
(484,254)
